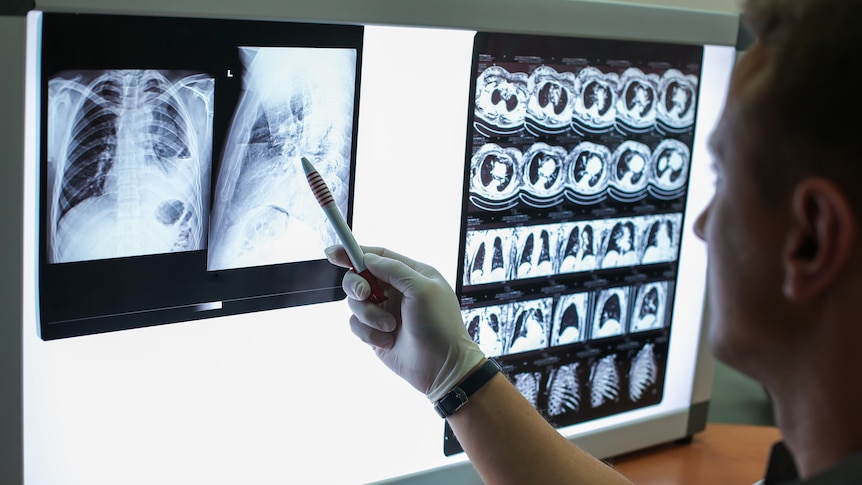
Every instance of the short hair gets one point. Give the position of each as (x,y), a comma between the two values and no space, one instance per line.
(808,108)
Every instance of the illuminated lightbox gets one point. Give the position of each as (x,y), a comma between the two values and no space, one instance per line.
(553,182)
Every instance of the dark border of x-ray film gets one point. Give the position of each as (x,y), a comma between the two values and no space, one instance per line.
(89,297)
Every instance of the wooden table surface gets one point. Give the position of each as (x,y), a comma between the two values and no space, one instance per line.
(726,454)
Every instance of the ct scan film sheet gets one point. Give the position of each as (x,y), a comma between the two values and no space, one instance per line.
(170,180)
(576,173)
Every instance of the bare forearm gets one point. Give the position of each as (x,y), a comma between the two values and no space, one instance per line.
(508,442)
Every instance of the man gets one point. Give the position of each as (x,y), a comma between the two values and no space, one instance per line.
(785,272)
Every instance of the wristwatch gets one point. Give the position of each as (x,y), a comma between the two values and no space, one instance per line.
(459,395)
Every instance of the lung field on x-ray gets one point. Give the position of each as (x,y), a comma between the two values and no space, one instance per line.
(129,154)
(296,102)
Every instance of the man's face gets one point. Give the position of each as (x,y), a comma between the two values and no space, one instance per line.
(744,236)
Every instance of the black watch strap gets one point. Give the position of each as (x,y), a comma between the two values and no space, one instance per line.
(459,395)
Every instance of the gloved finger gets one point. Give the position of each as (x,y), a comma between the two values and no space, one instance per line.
(355,286)
(371,336)
(338,256)
(416,266)
(397,273)
(373,316)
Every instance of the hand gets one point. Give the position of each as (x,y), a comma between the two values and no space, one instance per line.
(418,332)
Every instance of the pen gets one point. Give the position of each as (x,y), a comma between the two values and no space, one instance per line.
(327,203)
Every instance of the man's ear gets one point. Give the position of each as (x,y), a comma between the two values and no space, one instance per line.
(820,240)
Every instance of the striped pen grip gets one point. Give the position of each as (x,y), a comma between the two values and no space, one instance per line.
(319,188)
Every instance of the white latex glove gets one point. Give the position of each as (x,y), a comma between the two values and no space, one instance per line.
(418,332)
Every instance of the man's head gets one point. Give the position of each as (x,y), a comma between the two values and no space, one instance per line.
(801,88)
(782,226)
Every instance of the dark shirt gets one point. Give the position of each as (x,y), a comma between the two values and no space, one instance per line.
(781,469)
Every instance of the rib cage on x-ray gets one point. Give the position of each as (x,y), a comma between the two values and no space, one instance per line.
(643,372)
(604,381)
(129,160)
(564,393)
(528,385)
(296,102)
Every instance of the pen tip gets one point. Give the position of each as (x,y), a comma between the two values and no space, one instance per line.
(307,167)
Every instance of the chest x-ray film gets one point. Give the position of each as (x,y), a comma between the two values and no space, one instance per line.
(296,102)
(576,177)
(171,187)
(128,163)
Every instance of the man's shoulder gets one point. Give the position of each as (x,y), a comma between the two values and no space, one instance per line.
(848,471)
(781,470)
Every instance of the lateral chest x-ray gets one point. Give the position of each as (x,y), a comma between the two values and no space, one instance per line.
(171,181)
(576,176)
(297,102)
